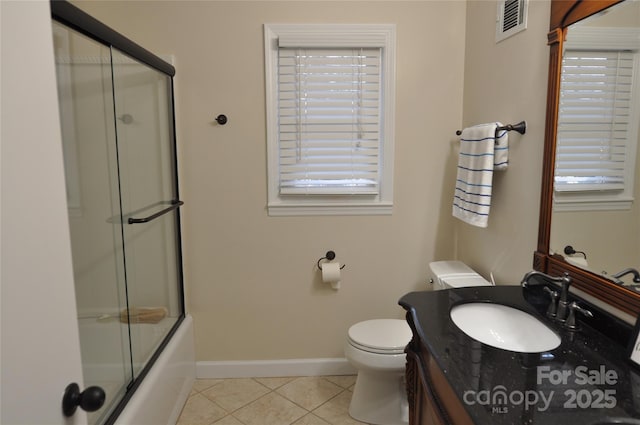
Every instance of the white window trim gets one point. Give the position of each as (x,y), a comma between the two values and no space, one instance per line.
(333,35)
(584,37)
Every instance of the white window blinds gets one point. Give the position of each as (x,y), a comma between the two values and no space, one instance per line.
(329,120)
(594,120)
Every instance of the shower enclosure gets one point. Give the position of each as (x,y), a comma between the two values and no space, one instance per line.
(116,111)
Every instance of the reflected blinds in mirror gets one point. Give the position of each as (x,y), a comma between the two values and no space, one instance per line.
(594,120)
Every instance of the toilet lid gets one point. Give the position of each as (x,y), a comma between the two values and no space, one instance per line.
(381,335)
(463,281)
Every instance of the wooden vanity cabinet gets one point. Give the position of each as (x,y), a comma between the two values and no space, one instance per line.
(432,401)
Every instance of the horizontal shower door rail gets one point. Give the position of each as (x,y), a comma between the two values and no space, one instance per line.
(73,17)
(174,205)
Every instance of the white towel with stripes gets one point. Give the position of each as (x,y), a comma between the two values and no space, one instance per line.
(481,152)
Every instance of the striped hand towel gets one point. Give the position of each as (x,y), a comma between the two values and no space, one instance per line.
(479,156)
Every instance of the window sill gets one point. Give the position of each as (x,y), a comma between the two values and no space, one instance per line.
(310,209)
(593,205)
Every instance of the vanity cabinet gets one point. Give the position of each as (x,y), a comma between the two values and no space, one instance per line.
(453,379)
(431,399)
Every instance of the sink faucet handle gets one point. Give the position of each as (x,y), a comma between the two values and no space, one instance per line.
(571,322)
(552,310)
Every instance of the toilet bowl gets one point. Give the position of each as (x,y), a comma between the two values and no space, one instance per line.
(376,349)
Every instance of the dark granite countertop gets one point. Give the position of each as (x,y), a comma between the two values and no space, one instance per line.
(585,380)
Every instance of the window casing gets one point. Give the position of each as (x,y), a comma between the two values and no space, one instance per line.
(330,111)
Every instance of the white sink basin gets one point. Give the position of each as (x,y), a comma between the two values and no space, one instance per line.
(504,327)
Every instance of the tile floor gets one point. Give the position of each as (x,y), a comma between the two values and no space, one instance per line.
(315,400)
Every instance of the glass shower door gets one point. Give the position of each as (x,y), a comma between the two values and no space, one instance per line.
(85,93)
(149,202)
(120,163)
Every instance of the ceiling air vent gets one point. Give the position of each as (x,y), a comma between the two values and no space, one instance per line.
(511,19)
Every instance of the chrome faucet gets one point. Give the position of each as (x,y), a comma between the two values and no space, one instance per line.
(560,280)
(572,323)
(634,272)
(552,310)
(564,282)
(525,280)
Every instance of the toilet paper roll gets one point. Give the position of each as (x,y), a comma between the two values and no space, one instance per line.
(331,274)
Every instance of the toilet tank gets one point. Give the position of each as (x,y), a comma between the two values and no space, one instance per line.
(454,274)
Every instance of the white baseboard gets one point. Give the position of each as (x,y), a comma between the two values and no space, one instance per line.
(273,368)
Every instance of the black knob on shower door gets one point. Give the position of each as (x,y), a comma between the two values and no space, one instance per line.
(89,400)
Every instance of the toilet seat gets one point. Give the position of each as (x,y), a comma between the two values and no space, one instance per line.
(381,336)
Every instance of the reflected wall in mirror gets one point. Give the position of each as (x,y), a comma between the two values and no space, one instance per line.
(590,189)
(596,197)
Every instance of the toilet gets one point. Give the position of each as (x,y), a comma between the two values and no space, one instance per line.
(376,349)
(454,274)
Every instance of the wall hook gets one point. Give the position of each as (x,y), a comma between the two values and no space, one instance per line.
(330,255)
(126,118)
(221,119)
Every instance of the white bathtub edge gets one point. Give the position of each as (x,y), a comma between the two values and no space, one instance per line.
(164,391)
(273,368)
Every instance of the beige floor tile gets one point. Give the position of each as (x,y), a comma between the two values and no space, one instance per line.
(204,384)
(199,410)
(309,392)
(270,401)
(228,420)
(311,419)
(345,381)
(271,409)
(232,394)
(274,383)
(336,410)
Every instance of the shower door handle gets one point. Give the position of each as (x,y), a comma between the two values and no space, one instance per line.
(174,205)
(89,400)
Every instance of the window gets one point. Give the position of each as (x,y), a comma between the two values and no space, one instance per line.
(597,131)
(330,105)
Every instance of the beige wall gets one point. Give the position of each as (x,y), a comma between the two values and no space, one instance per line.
(251,281)
(507,82)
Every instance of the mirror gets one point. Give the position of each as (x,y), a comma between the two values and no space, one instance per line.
(595,178)
(594,216)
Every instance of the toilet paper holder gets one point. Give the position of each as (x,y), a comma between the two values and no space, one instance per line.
(568,250)
(330,255)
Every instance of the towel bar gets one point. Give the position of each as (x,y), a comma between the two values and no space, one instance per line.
(521,128)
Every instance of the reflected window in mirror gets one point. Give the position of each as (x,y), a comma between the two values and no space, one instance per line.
(610,238)
(598,115)
(595,185)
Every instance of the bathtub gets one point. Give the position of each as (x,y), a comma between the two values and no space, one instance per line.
(161,394)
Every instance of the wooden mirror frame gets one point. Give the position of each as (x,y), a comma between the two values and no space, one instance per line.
(563,14)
